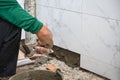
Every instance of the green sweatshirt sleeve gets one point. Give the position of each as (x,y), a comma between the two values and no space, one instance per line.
(11,11)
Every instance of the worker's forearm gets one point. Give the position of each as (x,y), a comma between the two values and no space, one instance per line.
(11,11)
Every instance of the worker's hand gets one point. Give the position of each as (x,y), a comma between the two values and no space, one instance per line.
(45,36)
(40,49)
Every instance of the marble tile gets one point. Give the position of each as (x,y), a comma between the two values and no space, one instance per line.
(100,67)
(23,34)
(95,38)
(98,36)
(101,38)
(64,26)
(116,58)
(72,5)
(106,8)
(21,2)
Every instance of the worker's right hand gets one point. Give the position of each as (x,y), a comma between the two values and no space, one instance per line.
(40,49)
(45,36)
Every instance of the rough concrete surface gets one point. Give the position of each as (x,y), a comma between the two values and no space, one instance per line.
(67,72)
(70,73)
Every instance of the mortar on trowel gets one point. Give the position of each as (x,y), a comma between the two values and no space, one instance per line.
(31,59)
(49,51)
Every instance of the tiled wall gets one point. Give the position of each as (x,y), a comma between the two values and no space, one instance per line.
(88,27)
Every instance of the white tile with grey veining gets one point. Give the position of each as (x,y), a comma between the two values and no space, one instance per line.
(71,5)
(103,8)
(101,38)
(100,67)
(116,57)
(95,38)
(21,2)
(98,38)
(65,27)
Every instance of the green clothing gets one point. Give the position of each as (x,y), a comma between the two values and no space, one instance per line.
(11,11)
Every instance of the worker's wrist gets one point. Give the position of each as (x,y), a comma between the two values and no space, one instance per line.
(45,36)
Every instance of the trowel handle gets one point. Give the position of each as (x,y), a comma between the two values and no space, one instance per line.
(58,71)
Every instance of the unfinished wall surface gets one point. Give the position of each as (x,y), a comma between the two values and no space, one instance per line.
(88,27)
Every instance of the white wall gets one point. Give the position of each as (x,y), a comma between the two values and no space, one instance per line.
(21,2)
(88,27)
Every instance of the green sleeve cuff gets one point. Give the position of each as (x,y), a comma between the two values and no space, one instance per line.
(37,26)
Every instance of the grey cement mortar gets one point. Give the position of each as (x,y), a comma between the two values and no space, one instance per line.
(68,73)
